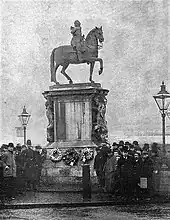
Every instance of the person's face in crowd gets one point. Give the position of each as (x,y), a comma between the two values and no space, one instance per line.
(23,148)
(132,148)
(18,146)
(5,150)
(10,149)
(110,154)
(145,155)
(136,156)
(125,153)
(139,152)
(103,137)
(116,154)
(120,148)
(115,147)
(127,145)
(18,150)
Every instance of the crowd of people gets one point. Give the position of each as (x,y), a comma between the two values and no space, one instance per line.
(123,169)
(20,168)
(128,170)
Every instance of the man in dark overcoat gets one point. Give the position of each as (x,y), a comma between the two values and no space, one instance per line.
(147,172)
(29,166)
(99,162)
(136,174)
(109,171)
(156,173)
(125,168)
(8,158)
(19,159)
(38,164)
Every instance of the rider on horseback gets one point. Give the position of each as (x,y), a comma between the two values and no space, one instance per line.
(77,39)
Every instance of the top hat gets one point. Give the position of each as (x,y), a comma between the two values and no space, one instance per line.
(121,143)
(135,142)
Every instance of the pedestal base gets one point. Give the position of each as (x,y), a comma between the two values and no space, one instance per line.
(76,115)
(59,173)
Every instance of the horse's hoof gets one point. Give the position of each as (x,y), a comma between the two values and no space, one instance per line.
(70,82)
(55,82)
(100,71)
(92,81)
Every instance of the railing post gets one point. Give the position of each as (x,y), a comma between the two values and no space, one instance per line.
(86,182)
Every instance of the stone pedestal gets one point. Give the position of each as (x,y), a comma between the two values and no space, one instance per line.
(76,115)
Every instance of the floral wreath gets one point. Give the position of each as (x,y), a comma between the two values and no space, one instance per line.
(56,155)
(87,154)
(70,157)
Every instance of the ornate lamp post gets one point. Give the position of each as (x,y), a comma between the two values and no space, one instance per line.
(24,118)
(162,100)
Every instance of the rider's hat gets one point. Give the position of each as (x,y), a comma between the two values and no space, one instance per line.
(77,22)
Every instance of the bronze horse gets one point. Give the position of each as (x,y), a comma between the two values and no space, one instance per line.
(65,55)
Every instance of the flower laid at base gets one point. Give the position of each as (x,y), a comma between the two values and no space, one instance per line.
(56,155)
(87,154)
(71,157)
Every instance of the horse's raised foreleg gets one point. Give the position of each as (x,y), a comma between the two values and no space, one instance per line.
(91,71)
(94,59)
(65,74)
(101,65)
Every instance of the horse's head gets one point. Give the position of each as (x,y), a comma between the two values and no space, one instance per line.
(95,35)
(99,34)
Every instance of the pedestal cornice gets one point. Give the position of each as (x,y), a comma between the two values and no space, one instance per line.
(76,89)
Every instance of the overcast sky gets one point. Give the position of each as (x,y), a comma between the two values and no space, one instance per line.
(135,55)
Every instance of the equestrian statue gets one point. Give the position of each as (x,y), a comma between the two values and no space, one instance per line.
(81,50)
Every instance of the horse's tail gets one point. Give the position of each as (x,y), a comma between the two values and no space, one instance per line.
(52,65)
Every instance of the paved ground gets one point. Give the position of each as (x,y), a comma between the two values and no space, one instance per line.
(72,199)
(67,203)
(67,188)
(135,212)
(58,199)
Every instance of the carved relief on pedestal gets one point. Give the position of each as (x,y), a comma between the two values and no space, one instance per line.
(50,117)
(99,124)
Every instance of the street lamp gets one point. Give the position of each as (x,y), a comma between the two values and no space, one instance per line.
(162,100)
(24,118)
